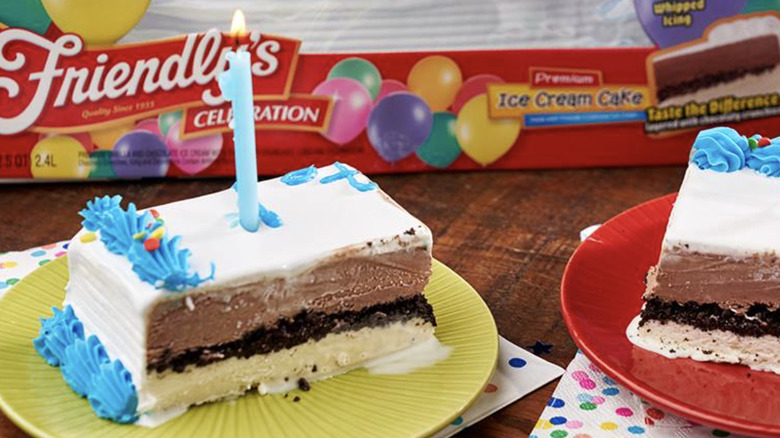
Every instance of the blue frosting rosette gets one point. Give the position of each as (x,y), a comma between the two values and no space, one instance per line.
(766,160)
(86,367)
(720,149)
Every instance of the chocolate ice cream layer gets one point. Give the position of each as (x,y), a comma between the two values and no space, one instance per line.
(687,73)
(707,278)
(340,284)
(303,327)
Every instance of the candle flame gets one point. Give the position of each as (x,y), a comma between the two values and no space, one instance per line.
(238,26)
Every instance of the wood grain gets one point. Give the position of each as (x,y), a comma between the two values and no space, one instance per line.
(508,233)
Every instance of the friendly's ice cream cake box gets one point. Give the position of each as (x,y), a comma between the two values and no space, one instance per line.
(98,89)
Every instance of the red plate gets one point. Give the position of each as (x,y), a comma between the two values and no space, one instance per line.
(601,293)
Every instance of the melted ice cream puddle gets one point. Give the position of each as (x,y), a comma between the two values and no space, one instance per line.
(411,359)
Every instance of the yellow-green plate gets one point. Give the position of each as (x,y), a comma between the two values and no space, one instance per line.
(356,404)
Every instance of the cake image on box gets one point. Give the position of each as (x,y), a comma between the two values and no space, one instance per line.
(737,58)
(178,305)
(715,293)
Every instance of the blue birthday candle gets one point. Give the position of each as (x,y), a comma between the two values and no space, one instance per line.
(236,86)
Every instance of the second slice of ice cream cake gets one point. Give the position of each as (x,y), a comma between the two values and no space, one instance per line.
(715,293)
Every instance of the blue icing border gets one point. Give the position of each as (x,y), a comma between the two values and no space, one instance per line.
(113,394)
(82,360)
(300,176)
(96,210)
(118,227)
(165,267)
(268,217)
(56,333)
(766,160)
(720,149)
(86,367)
(348,174)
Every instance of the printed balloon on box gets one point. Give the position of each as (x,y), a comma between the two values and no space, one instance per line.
(390,86)
(97,22)
(105,138)
(27,14)
(165,121)
(192,155)
(437,80)
(101,165)
(483,139)
(472,87)
(149,125)
(398,125)
(360,70)
(83,137)
(59,157)
(352,105)
(140,154)
(441,148)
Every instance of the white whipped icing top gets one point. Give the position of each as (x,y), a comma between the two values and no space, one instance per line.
(318,221)
(732,214)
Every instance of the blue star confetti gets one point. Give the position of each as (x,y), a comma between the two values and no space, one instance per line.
(540,348)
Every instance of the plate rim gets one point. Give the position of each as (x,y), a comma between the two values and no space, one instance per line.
(642,390)
(30,428)
(494,352)
(7,409)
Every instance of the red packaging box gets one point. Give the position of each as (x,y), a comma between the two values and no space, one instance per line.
(73,106)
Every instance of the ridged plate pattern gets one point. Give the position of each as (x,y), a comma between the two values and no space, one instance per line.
(357,404)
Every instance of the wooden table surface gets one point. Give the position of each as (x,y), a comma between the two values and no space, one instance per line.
(508,233)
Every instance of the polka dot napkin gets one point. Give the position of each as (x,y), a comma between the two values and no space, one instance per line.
(589,404)
(15,265)
(518,373)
